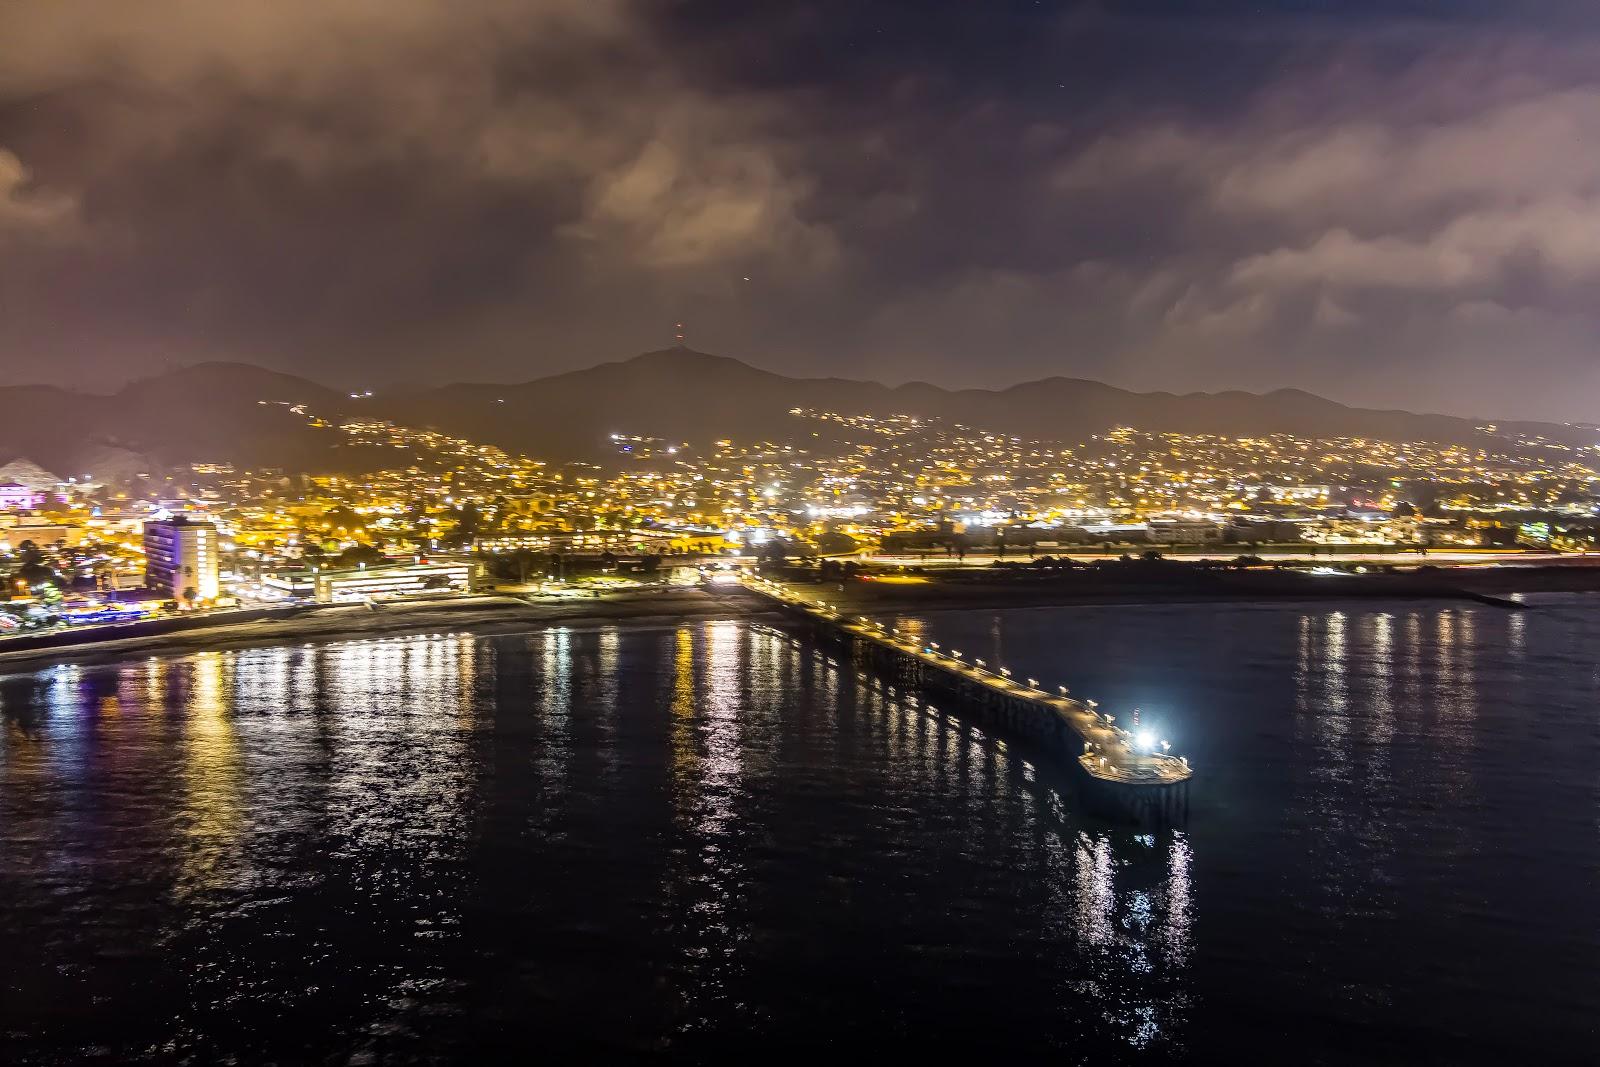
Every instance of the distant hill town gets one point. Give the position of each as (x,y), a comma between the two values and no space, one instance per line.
(246,415)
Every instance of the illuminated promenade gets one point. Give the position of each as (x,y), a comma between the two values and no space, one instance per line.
(1125,776)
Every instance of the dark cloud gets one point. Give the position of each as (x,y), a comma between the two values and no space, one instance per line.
(1389,203)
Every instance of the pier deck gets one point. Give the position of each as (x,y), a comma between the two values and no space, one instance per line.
(1122,780)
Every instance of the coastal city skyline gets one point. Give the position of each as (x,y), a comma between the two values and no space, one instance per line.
(635,531)
(846,484)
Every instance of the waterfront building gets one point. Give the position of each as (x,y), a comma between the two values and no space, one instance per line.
(406,579)
(181,558)
(1182,531)
(290,585)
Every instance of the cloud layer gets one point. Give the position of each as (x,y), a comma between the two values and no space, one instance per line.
(1388,210)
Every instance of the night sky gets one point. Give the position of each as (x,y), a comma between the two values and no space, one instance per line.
(1393,204)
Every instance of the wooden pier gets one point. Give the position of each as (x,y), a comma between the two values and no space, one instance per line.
(1118,780)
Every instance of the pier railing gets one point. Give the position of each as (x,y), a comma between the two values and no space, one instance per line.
(1124,770)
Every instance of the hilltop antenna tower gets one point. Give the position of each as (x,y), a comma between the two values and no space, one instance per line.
(678,335)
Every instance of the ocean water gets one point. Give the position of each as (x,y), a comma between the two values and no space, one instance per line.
(698,842)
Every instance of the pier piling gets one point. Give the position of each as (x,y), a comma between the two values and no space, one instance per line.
(1118,781)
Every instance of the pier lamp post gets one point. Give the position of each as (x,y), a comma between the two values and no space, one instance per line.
(1006,671)
(1033,683)
(956,652)
(1062,690)
(982,665)
(933,645)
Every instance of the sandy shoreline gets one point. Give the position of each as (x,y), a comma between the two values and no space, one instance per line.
(666,607)
(486,615)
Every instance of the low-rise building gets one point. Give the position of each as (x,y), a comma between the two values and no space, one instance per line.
(404,579)
(13,532)
(289,585)
(14,496)
(1182,531)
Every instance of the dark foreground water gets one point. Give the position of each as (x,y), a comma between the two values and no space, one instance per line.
(706,841)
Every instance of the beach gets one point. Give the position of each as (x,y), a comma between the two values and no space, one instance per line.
(987,589)
(486,614)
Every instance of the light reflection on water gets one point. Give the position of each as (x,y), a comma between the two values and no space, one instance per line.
(1396,809)
(707,884)
(682,840)
(346,833)
(211,815)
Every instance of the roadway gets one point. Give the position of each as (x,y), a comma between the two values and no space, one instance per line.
(1233,552)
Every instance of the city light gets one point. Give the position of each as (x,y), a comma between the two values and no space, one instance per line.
(1239,362)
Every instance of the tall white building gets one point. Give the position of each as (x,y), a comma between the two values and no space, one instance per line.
(180,554)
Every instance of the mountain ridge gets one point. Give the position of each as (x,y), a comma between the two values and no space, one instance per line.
(242,413)
(682,394)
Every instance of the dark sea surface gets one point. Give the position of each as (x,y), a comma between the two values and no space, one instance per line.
(711,841)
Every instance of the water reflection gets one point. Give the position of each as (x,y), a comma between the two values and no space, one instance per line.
(602,840)
(1116,906)
(1133,913)
(1381,674)
(1176,932)
(708,880)
(210,815)
(320,825)
(1458,655)
(552,720)
(603,677)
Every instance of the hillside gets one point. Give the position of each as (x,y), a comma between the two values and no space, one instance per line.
(212,412)
(679,394)
(235,413)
